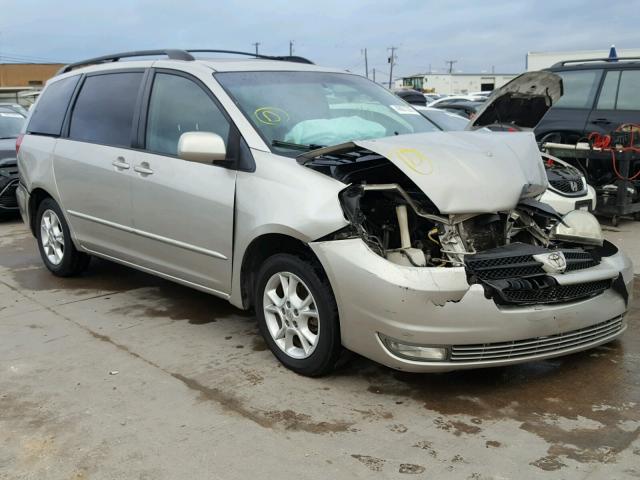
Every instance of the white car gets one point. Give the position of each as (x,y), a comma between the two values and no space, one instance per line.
(519,106)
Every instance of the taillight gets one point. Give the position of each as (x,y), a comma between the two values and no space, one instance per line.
(19,142)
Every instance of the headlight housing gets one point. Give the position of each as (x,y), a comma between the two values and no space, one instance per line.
(579,226)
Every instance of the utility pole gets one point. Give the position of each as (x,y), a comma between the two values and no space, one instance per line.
(374,75)
(256,44)
(291,48)
(392,61)
(366,64)
(451,64)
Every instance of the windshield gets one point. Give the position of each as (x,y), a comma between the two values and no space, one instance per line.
(304,110)
(10,123)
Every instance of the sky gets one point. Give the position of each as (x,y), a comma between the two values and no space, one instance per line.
(480,36)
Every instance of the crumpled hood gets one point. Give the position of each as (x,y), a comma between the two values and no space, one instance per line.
(522,102)
(463,172)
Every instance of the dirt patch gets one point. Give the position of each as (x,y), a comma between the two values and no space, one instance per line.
(410,468)
(372,463)
(550,463)
(456,427)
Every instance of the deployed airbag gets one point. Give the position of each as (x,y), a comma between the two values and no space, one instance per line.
(333,131)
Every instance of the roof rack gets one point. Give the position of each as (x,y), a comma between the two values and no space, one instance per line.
(171,53)
(174,54)
(585,60)
(282,58)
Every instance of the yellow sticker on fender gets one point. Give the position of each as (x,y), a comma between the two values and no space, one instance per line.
(415,160)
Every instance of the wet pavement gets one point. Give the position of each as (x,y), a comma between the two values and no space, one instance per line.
(118,374)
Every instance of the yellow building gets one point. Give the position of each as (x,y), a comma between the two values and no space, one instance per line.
(27,74)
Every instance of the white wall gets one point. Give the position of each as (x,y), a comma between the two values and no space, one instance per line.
(451,84)
(540,60)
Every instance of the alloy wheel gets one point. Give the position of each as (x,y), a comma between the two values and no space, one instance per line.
(291,315)
(52,237)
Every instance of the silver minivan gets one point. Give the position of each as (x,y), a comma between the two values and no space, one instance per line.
(318,198)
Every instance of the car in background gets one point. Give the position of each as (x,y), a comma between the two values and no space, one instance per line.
(16,107)
(518,106)
(464,108)
(11,123)
(432,97)
(443,119)
(456,98)
(599,96)
(413,97)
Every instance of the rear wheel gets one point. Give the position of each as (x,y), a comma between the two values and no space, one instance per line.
(297,315)
(54,242)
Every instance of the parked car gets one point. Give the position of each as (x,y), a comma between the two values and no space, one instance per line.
(455,99)
(345,221)
(463,108)
(444,120)
(15,107)
(518,106)
(432,97)
(11,123)
(411,96)
(599,95)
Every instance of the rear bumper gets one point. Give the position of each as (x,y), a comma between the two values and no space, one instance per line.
(22,196)
(437,307)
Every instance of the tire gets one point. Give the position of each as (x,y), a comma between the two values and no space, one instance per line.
(59,255)
(291,343)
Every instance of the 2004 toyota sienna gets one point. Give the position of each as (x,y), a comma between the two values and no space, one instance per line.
(322,201)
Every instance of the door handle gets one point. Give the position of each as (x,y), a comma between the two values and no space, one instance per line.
(120,164)
(143,169)
(601,121)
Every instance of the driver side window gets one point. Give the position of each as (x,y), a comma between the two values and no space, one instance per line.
(179,105)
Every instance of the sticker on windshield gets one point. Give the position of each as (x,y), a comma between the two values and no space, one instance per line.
(11,115)
(271,115)
(404,110)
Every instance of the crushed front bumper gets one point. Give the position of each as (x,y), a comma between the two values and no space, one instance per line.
(438,307)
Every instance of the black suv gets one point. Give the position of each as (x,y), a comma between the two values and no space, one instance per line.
(599,95)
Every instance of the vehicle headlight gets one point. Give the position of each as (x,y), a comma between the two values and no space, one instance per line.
(579,226)
(414,352)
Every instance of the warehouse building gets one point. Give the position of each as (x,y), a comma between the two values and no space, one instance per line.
(20,82)
(456,83)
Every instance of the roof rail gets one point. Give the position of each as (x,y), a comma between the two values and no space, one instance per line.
(586,60)
(282,58)
(171,53)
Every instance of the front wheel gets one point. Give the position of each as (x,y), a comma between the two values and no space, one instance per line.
(297,315)
(57,250)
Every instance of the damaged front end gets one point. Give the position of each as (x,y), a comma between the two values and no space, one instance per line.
(519,255)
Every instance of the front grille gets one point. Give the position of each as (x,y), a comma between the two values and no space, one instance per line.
(570,187)
(552,294)
(536,346)
(522,266)
(8,195)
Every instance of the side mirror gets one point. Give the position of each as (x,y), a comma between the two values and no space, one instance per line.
(201,147)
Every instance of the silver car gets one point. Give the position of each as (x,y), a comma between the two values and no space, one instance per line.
(323,202)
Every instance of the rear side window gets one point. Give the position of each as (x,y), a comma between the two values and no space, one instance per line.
(104,110)
(629,91)
(579,87)
(607,99)
(50,110)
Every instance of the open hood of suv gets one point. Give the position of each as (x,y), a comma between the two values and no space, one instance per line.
(520,103)
(460,172)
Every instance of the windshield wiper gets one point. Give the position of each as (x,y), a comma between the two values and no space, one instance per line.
(295,146)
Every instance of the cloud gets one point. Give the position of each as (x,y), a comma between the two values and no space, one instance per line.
(479,35)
